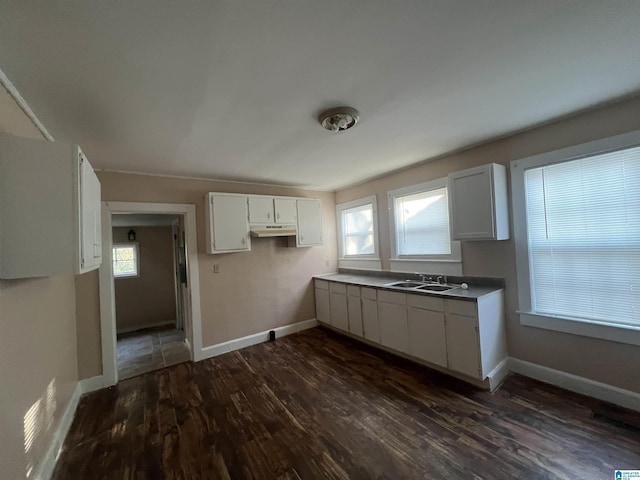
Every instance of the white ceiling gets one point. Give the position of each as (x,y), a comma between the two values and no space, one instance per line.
(230,89)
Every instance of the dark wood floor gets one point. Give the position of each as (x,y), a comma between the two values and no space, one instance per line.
(316,405)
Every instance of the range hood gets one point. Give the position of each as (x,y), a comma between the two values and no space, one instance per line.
(273,230)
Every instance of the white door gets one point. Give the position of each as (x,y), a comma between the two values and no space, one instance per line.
(370,325)
(339,316)
(427,338)
(260,210)
(309,222)
(323,313)
(354,309)
(463,349)
(230,229)
(394,331)
(286,211)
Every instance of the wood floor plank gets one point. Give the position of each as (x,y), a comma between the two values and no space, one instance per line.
(316,405)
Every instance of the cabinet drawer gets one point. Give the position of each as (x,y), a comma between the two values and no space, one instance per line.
(322,284)
(368,293)
(392,297)
(428,303)
(353,290)
(459,307)
(338,288)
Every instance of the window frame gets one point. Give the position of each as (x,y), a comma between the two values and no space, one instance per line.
(364,261)
(617,332)
(450,264)
(136,248)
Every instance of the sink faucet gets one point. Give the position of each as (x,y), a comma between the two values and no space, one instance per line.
(439,279)
(424,278)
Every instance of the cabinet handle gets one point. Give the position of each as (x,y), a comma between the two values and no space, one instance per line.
(301,238)
(242,241)
(269,215)
(278,216)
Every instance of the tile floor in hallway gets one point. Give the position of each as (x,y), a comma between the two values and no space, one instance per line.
(148,350)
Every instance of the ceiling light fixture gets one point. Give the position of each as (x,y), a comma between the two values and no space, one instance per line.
(339,119)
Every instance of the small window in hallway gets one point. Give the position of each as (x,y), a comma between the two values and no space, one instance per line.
(125,260)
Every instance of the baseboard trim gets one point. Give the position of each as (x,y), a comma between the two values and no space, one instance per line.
(238,343)
(574,383)
(498,374)
(48,463)
(92,384)
(143,327)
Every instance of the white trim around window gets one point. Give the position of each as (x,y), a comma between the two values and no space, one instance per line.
(607,330)
(446,263)
(367,261)
(133,273)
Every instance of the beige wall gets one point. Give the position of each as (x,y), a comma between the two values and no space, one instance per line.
(254,291)
(604,361)
(149,298)
(37,361)
(87,328)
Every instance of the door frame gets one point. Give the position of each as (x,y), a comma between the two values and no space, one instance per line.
(107,288)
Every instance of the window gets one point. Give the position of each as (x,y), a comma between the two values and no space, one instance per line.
(358,233)
(577,219)
(125,260)
(420,224)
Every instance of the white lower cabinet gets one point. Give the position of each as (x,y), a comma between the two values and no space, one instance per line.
(370,324)
(463,336)
(354,310)
(427,337)
(338,305)
(392,316)
(323,311)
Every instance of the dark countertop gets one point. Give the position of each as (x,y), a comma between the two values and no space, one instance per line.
(379,281)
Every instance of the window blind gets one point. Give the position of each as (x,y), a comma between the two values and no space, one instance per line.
(583,221)
(358,230)
(422,223)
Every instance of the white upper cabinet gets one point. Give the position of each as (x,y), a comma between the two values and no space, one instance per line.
(227,223)
(49,209)
(478,203)
(309,222)
(260,209)
(285,211)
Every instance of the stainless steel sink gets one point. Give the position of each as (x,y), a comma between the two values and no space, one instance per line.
(404,284)
(436,287)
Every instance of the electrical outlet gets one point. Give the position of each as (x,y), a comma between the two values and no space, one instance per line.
(216,268)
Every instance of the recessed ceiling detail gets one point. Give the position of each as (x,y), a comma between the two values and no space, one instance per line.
(339,119)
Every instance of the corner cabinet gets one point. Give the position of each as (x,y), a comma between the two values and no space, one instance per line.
(50,209)
(478,203)
(227,223)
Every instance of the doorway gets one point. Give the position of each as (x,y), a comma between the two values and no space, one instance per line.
(147,280)
(149,290)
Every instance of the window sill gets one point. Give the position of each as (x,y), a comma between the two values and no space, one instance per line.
(362,263)
(411,265)
(586,328)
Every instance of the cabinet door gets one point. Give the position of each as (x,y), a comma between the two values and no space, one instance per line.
(479,204)
(230,226)
(286,211)
(323,313)
(354,309)
(370,325)
(309,222)
(260,210)
(394,331)
(339,315)
(427,338)
(463,349)
(90,217)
